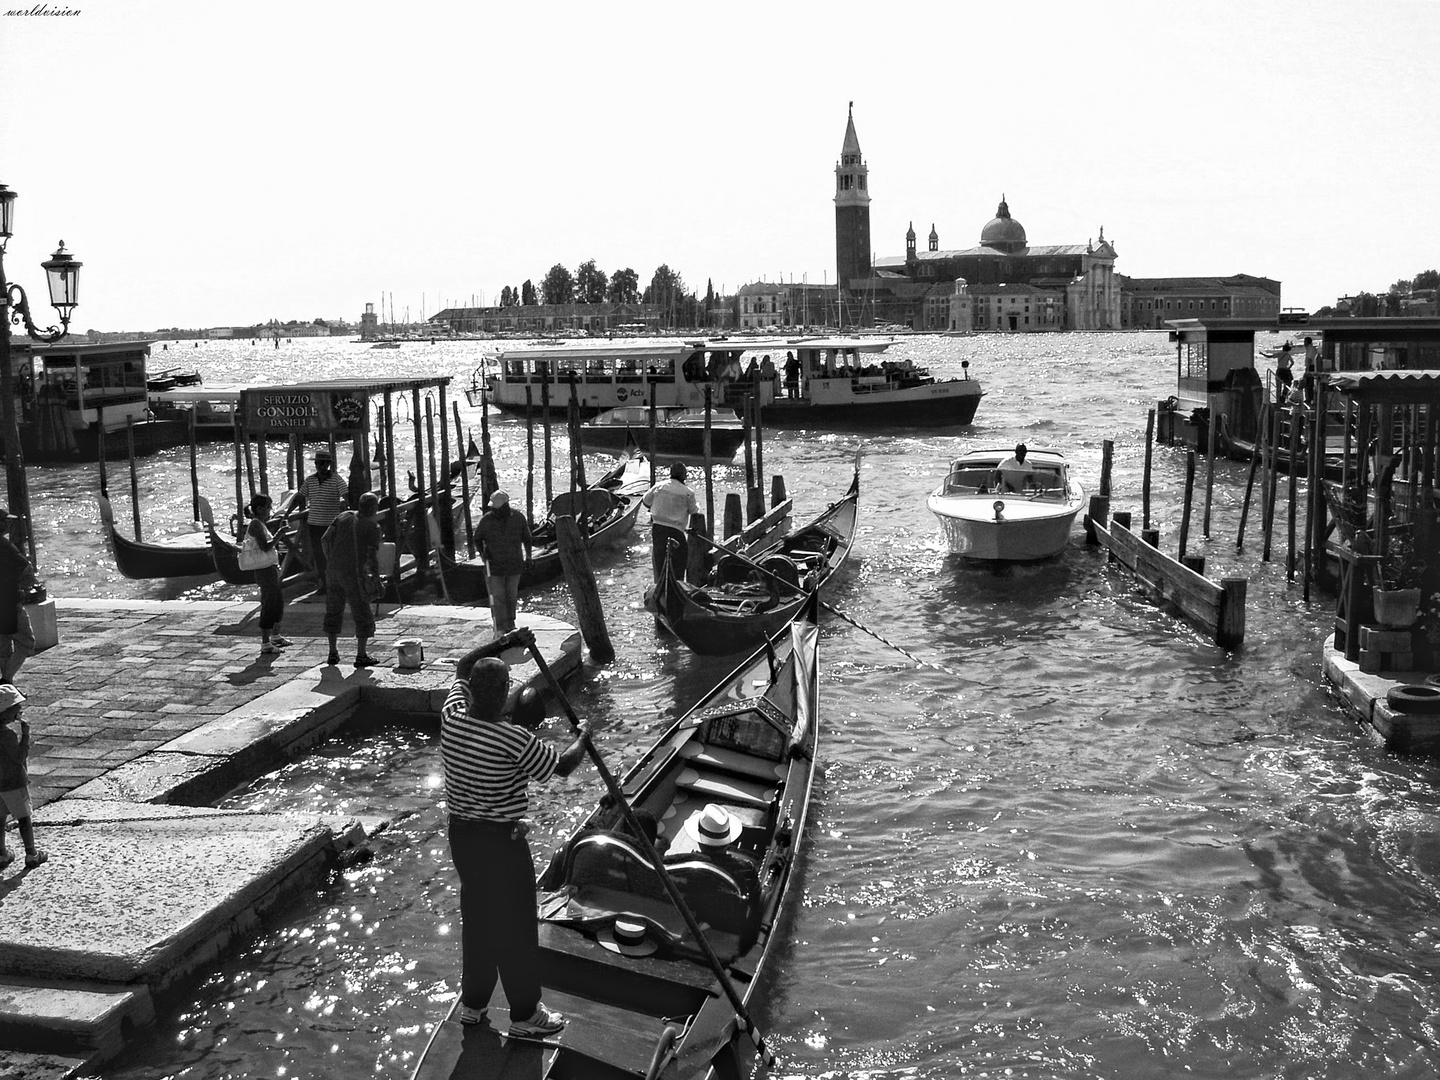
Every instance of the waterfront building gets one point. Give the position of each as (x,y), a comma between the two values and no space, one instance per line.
(1012,285)
(369,324)
(551,318)
(761,304)
(1150,303)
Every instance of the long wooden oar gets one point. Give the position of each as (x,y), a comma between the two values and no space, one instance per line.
(525,636)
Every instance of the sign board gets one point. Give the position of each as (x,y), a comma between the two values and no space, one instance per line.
(287,410)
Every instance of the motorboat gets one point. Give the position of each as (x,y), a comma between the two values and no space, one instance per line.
(1015,517)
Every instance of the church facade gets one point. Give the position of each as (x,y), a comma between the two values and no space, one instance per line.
(1000,283)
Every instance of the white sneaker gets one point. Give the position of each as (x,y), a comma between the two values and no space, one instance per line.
(544,1022)
(467,1015)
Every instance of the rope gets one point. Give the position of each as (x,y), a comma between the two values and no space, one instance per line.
(886,641)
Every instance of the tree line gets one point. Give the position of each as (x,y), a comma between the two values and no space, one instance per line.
(1392,301)
(589,284)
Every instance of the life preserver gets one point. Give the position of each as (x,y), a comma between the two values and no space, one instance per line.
(1420,698)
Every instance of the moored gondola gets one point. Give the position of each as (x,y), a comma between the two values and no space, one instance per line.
(750,595)
(187,555)
(605,512)
(643,997)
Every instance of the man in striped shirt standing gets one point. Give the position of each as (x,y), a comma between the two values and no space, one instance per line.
(489,763)
(325,496)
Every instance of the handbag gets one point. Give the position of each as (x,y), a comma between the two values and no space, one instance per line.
(254,557)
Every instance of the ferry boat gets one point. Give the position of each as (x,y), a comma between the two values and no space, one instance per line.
(841,380)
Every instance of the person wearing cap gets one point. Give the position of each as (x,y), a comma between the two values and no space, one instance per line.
(352,548)
(504,542)
(489,762)
(17,639)
(1014,472)
(15,778)
(325,496)
(671,505)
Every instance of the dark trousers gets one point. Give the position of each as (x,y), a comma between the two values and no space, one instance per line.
(498,931)
(660,536)
(272,604)
(317,550)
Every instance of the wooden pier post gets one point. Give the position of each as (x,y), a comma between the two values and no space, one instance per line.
(1231,630)
(249,462)
(134,476)
(1150,537)
(1250,483)
(1273,472)
(422,548)
(1296,422)
(529,454)
(777,490)
(651,419)
(1107,455)
(1189,497)
(1099,516)
(698,550)
(589,615)
(759,427)
(1194,562)
(709,454)
(1210,426)
(749,450)
(1149,455)
(239,482)
(438,492)
(1314,494)
(544,368)
(734,516)
(262,452)
(290,458)
(393,518)
(194,468)
(100,451)
(465,480)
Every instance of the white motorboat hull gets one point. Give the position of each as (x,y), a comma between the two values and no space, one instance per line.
(1024,532)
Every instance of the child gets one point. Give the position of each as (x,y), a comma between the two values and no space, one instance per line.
(14,777)
(259,552)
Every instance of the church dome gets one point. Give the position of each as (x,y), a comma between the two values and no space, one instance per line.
(1003,232)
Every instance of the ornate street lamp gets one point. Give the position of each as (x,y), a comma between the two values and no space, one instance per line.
(62,273)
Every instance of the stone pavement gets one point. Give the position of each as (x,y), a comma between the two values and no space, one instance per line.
(129,676)
(143,713)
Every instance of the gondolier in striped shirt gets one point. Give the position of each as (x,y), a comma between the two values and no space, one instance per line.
(489,763)
(325,496)
(671,505)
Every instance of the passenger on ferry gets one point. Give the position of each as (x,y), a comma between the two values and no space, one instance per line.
(1014,472)
(792,375)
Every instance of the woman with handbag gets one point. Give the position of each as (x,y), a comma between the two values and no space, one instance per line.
(260,551)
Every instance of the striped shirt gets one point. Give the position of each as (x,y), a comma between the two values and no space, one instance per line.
(325,499)
(488,764)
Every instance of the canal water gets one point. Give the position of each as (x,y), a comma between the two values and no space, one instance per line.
(1076,839)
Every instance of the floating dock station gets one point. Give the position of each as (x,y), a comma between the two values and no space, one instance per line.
(1361,426)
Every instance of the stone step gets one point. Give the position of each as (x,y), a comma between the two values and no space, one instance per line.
(86,1020)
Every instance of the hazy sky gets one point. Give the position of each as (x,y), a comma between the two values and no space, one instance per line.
(226,163)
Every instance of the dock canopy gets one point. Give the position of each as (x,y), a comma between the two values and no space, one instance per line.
(1389,387)
(330,407)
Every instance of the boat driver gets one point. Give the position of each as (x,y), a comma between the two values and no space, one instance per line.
(1014,473)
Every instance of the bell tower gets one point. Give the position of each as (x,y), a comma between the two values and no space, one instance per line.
(852,210)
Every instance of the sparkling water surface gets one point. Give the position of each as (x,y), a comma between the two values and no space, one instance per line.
(1077,840)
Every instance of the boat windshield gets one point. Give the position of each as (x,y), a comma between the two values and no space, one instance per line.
(982,481)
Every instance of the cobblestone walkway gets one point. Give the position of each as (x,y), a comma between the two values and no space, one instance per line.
(129,676)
